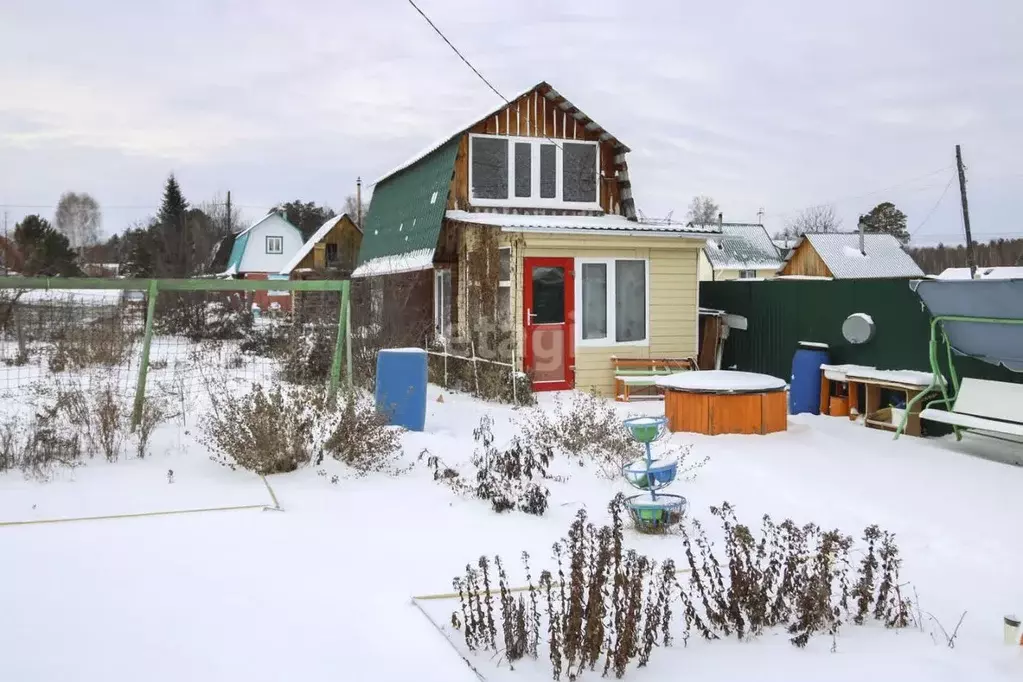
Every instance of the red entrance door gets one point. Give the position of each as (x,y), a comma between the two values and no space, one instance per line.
(549,294)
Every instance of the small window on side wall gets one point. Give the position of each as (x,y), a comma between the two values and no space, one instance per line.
(274,244)
(442,303)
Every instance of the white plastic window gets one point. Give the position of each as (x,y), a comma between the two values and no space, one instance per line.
(612,302)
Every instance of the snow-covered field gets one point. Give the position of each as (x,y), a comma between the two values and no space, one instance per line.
(321,591)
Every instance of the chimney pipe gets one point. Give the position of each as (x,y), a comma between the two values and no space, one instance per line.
(862,250)
(721,220)
(358,201)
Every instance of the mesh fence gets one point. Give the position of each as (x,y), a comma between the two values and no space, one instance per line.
(203,342)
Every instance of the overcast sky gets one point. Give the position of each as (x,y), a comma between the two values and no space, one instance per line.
(762,105)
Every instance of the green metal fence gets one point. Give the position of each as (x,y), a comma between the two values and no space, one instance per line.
(781,313)
(75,301)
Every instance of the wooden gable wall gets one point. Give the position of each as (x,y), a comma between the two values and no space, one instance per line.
(534,115)
(347,237)
(806,262)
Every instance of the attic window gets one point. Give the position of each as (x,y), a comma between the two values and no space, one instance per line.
(525,172)
(274,245)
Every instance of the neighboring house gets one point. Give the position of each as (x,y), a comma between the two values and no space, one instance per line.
(842,255)
(522,226)
(261,252)
(999,272)
(784,246)
(101,269)
(742,251)
(331,251)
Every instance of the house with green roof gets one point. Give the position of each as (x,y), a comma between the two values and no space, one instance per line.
(261,251)
(517,236)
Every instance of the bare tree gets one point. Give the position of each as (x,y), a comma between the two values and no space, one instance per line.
(352,208)
(821,218)
(702,211)
(78,218)
(223,222)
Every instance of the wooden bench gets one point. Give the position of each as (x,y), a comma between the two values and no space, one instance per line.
(633,373)
(994,407)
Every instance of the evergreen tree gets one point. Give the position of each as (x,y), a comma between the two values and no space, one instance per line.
(886,219)
(44,250)
(172,246)
(173,208)
(307,217)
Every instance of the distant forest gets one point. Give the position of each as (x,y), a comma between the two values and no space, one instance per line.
(933,259)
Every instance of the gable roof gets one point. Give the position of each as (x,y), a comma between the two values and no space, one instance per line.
(840,251)
(408,204)
(241,240)
(551,94)
(997,272)
(310,243)
(742,246)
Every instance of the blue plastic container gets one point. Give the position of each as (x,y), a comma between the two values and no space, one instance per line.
(805,386)
(401,386)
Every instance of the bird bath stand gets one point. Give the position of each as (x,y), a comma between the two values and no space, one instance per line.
(651,511)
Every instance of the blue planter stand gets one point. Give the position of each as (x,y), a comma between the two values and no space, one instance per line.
(652,512)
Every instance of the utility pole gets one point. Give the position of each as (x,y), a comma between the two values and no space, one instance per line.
(358,202)
(229,210)
(970,258)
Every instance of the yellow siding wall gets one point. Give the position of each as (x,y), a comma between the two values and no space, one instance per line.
(724,275)
(674,295)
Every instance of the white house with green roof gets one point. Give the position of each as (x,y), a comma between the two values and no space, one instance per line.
(261,251)
(518,232)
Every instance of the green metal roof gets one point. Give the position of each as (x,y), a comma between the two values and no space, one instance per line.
(234,261)
(407,208)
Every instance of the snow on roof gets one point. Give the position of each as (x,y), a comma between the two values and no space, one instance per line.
(552,94)
(322,232)
(999,272)
(840,251)
(421,259)
(510,222)
(742,246)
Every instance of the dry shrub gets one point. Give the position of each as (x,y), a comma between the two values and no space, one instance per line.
(282,428)
(590,430)
(268,431)
(37,446)
(95,412)
(481,379)
(603,607)
(509,479)
(84,346)
(154,412)
(362,438)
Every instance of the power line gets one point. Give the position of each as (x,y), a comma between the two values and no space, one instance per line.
(455,49)
(935,207)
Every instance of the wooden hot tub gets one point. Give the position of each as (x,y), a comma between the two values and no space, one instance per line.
(722,401)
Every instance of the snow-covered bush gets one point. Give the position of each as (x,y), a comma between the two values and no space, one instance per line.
(36,446)
(281,428)
(509,479)
(309,353)
(88,345)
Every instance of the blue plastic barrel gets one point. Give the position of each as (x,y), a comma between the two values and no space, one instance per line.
(805,386)
(401,386)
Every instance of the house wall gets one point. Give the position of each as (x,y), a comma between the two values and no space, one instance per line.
(805,261)
(348,239)
(256,259)
(674,293)
(264,299)
(533,115)
(730,274)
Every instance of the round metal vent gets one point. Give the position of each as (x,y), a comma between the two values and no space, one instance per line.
(858,328)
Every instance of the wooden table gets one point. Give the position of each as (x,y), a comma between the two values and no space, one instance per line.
(871,382)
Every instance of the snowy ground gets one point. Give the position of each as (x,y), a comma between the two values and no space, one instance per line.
(322,590)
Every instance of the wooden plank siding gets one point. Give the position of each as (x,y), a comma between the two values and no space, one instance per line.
(807,262)
(533,115)
(673,304)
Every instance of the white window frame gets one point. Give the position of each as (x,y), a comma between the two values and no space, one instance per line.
(535,201)
(612,276)
(747,274)
(275,239)
(438,321)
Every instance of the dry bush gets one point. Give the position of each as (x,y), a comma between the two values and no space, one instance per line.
(509,479)
(36,446)
(90,345)
(93,410)
(481,379)
(202,316)
(362,438)
(154,412)
(268,431)
(308,354)
(603,607)
(281,428)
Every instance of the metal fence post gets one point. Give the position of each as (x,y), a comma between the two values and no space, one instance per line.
(140,387)
(340,344)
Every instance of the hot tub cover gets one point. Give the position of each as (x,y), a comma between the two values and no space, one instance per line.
(721,381)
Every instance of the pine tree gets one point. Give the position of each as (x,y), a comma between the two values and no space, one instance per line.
(43,250)
(886,219)
(173,248)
